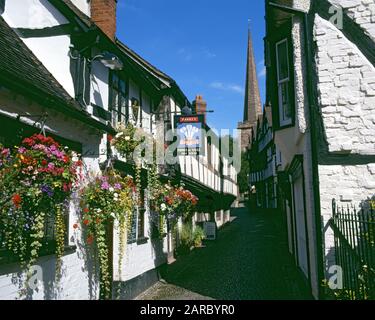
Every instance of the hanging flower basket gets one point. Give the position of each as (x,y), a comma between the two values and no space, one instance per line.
(124,141)
(106,199)
(170,203)
(36,182)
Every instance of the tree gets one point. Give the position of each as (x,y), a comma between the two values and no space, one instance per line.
(243,176)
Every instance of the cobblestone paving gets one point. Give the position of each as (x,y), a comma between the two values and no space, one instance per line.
(248,261)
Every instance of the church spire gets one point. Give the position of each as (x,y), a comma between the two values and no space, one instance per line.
(253,106)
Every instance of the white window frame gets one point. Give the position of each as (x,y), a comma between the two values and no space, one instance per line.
(282,120)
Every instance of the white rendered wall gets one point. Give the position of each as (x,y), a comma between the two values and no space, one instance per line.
(53,52)
(83,5)
(139,258)
(347,91)
(361,11)
(99,85)
(33,14)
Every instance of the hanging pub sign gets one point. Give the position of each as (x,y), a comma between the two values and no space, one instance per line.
(189,132)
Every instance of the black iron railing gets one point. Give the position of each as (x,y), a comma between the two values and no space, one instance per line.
(354,236)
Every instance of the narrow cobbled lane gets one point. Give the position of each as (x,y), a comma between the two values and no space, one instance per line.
(249,260)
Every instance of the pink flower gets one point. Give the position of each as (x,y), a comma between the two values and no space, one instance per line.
(105,185)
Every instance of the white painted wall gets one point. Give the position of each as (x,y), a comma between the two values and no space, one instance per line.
(33,14)
(361,11)
(99,91)
(347,91)
(347,101)
(302,4)
(146,112)
(139,258)
(53,52)
(83,5)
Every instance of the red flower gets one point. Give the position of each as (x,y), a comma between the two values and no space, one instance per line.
(67,187)
(66,159)
(17,200)
(86,210)
(75,226)
(90,239)
(28,141)
(86,222)
(169,200)
(109,138)
(79,163)
(44,162)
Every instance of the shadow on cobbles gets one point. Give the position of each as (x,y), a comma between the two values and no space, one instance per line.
(248,261)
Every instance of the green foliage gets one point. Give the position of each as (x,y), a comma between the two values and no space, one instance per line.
(124,141)
(186,235)
(190,236)
(243,180)
(198,236)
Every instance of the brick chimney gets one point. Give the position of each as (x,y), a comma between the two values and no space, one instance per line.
(200,106)
(103,13)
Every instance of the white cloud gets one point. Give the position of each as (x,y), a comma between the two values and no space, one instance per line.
(131,7)
(262,73)
(227,87)
(189,54)
(208,54)
(185,54)
(262,68)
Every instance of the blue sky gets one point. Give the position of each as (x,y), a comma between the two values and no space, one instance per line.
(201,44)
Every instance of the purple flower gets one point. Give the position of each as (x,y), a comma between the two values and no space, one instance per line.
(117,186)
(105,185)
(22,150)
(51,166)
(46,189)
